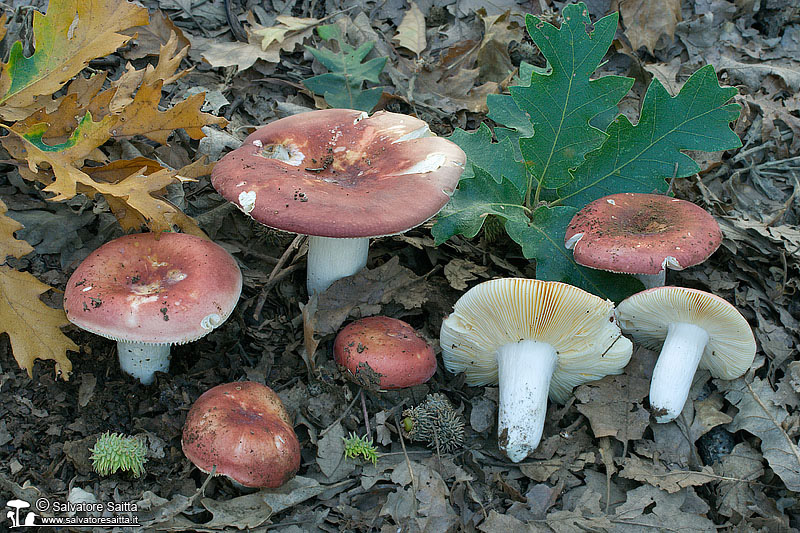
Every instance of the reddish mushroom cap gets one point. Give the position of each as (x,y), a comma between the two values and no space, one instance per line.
(244,430)
(168,291)
(395,353)
(339,173)
(642,234)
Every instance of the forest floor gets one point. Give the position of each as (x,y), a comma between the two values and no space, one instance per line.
(603,464)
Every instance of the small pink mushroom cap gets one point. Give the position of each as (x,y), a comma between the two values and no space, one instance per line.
(168,291)
(340,173)
(245,431)
(387,349)
(642,234)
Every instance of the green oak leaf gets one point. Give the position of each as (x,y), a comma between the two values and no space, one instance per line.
(641,158)
(342,86)
(542,238)
(560,105)
(473,201)
(496,159)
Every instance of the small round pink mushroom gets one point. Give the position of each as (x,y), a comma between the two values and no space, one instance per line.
(384,349)
(244,430)
(642,234)
(341,177)
(149,291)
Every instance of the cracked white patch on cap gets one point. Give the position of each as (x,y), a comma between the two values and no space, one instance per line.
(424,131)
(87,288)
(611,201)
(211,321)
(288,154)
(279,442)
(258,143)
(671,262)
(360,117)
(572,241)
(429,164)
(247,201)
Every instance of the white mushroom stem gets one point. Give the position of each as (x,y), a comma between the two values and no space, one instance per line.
(674,371)
(651,281)
(143,360)
(331,259)
(524,370)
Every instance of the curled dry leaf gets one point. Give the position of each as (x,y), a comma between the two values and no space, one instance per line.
(33,327)
(72,33)
(659,476)
(411,31)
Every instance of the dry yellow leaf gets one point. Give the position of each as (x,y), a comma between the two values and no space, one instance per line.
(169,59)
(277,34)
(411,31)
(9,245)
(33,327)
(71,34)
(645,21)
(132,192)
(142,116)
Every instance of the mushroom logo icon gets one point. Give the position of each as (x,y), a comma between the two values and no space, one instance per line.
(14,515)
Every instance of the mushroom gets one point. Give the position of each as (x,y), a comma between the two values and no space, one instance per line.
(385,353)
(148,291)
(697,329)
(243,429)
(341,177)
(535,338)
(642,234)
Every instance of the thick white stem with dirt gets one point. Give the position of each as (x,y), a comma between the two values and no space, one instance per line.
(674,371)
(524,371)
(331,259)
(142,360)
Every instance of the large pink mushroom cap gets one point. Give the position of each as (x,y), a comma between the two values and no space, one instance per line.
(386,349)
(340,177)
(340,173)
(149,291)
(170,288)
(244,430)
(644,234)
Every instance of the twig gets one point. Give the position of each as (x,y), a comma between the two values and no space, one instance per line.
(364,410)
(262,298)
(327,429)
(405,453)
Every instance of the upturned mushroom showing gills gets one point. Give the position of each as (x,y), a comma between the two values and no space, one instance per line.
(536,339)
(386,350)
(243,429)
(643,235)
(693,329)
(149,291)
(341,177)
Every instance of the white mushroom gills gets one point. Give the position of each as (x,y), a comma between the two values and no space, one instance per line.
(672,376)
(524,370)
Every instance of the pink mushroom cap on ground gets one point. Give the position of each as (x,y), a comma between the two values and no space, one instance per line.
(145,290)
(642,234)
(341,177)
(243,429)
(393,351)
